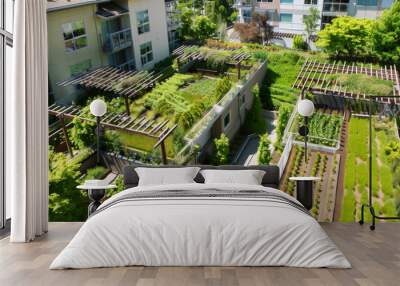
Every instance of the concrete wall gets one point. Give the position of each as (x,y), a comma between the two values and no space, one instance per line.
(60,61)
(158,34)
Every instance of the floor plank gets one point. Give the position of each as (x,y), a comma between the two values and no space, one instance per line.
(375,257)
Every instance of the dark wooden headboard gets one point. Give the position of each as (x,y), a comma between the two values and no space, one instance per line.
(271,177)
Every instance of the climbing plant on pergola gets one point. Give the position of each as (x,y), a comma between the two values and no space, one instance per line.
(140,125)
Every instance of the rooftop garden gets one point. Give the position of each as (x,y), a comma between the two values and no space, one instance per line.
(386,189)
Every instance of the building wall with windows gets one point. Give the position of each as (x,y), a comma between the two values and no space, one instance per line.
(82,37)
(152,36)
(65,62)
(287,16)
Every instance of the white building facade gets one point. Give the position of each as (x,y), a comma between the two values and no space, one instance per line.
(287,16)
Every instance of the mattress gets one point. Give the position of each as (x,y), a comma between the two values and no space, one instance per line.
(201,225)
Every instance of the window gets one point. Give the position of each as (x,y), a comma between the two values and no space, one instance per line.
(74,36)
(311,2)
(286,1)
(227,120)
(286,18)
(367,2)
(80,68)
(143,21)
(6,44)
(267,1)
(146,53)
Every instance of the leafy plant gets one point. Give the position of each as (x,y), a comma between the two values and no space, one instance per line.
(386,35)
(311,22)
(223,86)
(264,151)
(347,36)
(299,43)
(203,28)
(222,150)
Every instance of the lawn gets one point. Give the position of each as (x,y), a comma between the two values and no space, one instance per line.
(356,170)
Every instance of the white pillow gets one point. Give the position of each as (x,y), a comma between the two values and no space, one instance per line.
(248,177)
(166,176)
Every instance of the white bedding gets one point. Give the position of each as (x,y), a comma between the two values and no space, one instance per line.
(200,231)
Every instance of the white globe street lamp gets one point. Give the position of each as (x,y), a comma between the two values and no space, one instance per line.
(305,108)
(98,108)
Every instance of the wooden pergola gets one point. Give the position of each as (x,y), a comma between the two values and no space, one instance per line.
(112,79)
(141,125)
(280,35)
(313,77)
(235,59)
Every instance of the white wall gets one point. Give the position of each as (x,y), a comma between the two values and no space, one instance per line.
(158,34)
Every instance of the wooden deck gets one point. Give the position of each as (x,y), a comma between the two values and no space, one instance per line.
(375,257)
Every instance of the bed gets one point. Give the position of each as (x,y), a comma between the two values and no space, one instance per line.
(201,224)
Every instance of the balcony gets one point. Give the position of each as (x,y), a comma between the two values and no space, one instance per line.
(335,8)
(128,66)
(117,41)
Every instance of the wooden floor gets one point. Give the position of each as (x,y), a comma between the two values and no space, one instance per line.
(375,257)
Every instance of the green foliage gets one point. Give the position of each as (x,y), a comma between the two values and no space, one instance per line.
(264,152)
(324,128)
(311,21)
(347,36)
(83,133)
(282,71)
(186,21)
(214,58)
(66,203)
(283,118)
(130,81)
(299,43)
(119,182)
(260,55)
(255,122)
(98,172)
(203,28)
(356,169)
(223,86)
(386,35)
(361,83)
(222,150)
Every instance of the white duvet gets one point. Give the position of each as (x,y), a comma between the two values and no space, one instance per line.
(200,231)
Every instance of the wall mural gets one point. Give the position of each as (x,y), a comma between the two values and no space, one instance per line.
(218,103)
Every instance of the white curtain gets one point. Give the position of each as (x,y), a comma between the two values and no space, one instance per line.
(27,125)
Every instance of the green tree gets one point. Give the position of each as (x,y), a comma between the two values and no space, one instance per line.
(311,22)
(386,35)
(222,150)
(65,202)
(346,36)
(264,151)
(83,133)
(186,20)
(203,28)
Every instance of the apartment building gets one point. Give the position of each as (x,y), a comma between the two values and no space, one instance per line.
(287,16)
(86,34)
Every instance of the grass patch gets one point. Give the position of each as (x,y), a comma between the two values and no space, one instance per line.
(356,169)
(361,83)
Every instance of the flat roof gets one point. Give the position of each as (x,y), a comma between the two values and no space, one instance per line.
(56,5)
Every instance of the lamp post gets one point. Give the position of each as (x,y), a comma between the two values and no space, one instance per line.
(305,108)
(98,108)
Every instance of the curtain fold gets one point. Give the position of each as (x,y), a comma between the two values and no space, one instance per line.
(27,123)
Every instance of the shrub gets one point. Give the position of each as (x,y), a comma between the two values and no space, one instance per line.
(255,122)
(223,86)
(346,36)
(264,151)
(222,150)
(98,172)
(299,43)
